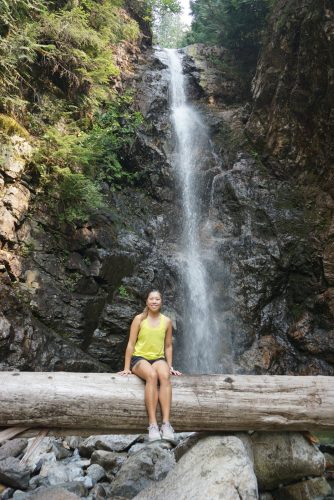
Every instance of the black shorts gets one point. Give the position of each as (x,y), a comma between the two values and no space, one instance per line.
(135,359)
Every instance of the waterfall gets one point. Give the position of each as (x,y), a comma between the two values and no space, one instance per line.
(202,347)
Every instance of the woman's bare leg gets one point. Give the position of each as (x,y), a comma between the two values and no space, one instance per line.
(144,370)
(165,392)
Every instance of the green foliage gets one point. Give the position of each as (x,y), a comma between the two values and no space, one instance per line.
(236,24)
(26,248)
(74,55)
(9,126)
(122,292)
(71,281)
(169,31)
(14,11)
(57,70)
(77,195)
(94,151)
(150,10)
(70,48)
(72,162)
(17,55)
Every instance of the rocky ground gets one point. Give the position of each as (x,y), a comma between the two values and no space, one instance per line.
(258,465)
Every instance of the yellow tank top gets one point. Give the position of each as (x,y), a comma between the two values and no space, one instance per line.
(151,340)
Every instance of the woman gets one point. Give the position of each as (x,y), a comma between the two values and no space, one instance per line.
(149,356)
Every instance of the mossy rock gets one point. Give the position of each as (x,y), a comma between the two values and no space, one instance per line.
(9,126)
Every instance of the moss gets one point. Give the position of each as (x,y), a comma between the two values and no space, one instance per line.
(9,126)
(27,248)
(325,437)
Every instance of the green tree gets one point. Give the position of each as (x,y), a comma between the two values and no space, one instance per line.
(169,30)
(235,24)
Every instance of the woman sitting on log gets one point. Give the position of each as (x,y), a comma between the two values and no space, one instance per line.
(149,356)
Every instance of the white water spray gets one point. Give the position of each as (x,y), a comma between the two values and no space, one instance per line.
(202,334)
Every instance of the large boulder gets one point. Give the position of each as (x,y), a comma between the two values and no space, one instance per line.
(141,469)
(315,488)
(216,467)
(281,458)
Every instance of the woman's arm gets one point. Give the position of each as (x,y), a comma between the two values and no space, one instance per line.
(134,329)
(169,348)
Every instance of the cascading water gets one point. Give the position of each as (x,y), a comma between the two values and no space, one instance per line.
(202,346)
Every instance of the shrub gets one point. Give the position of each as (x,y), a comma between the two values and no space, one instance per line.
(77,196)
(74,55)
(236,24)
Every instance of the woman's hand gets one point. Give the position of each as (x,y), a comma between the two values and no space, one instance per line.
(125,372)
(174,372)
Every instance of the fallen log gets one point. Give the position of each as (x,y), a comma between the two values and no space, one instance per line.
(109,403)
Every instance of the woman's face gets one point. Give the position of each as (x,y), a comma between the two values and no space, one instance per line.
(154,301)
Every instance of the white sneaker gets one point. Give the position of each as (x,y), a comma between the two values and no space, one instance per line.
(153,433)
(167,432)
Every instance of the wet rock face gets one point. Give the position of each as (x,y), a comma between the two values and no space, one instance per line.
(291,125)
(294,85)
(214,75)
(264,235)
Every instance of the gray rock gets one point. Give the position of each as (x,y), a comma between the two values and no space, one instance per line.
(13,473)
(315,488)
(166,445)
(108,442)
(87,481)
(60,451)
(17,200)
(96,472)
(280,458)
(58,473)
(50,493)
(186,444)
(19,495)
(7,225)
(37,481)
(74,441)
(6,494)
(150,464)
(13,448)
(42,453)
(98,492)
(76,487)
(136,447)
(37,461)
(216,467)
(109,460)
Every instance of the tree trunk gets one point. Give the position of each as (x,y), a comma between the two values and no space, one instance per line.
(109,403)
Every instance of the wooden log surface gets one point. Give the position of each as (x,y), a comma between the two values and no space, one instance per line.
(109,403)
